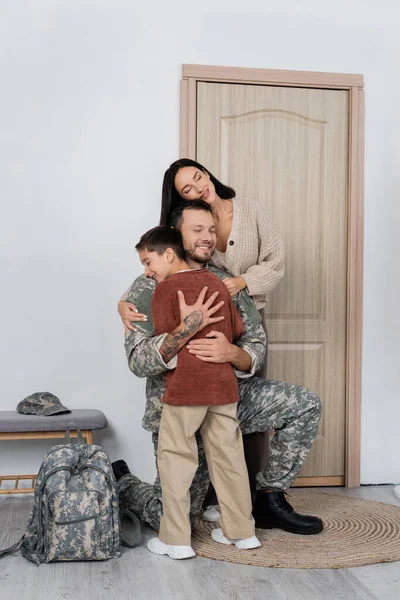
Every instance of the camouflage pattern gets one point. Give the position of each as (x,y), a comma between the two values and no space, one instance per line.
(75,515)
(42,404)
(145,499)
(292,411)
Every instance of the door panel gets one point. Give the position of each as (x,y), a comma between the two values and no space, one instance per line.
(287,148)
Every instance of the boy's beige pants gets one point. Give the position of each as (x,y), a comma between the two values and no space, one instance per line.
(177,464)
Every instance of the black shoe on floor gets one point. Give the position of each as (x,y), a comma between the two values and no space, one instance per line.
(120,469)
(273,511)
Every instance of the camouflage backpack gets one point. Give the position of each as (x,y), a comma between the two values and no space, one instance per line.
(75,513)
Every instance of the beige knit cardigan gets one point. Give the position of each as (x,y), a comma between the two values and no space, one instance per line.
(254,250)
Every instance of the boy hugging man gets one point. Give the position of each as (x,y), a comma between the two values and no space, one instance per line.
(198,395)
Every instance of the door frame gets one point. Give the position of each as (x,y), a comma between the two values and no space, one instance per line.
(354,84)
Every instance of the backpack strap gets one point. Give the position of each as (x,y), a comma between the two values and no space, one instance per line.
(131,533)
(80,437)
(11,549)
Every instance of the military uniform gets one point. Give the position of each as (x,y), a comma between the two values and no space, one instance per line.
(292,411)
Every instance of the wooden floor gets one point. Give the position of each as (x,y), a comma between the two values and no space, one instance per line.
(138,574)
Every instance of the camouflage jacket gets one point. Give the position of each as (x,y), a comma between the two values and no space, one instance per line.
(142,346)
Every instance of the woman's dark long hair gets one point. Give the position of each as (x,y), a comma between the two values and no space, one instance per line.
(170,197)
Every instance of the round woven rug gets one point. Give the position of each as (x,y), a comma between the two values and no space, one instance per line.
(356,532)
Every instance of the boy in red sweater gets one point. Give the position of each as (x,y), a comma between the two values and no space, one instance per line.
(198,395)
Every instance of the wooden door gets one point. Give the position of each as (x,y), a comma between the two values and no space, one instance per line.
(287,148)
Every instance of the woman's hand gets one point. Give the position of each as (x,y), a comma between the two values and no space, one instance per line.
(234,284)
(128,312)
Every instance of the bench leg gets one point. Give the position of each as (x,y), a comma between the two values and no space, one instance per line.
(16,489)
(87,433)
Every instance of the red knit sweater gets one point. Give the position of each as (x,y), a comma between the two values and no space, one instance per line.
(195,381)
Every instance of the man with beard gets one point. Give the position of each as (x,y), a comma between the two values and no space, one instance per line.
(292,411)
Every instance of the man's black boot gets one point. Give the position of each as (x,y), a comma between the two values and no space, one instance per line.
(120,469)
(271,510)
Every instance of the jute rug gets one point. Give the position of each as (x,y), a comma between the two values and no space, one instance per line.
(356,532)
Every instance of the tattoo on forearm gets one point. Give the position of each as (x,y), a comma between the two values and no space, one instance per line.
(178,338)
(192,322)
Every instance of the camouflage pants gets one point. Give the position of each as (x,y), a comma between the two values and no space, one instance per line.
(292,411)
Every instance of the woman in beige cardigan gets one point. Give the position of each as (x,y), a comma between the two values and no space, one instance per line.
(247,244)
(248,247)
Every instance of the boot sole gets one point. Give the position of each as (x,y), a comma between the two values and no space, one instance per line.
(291,529)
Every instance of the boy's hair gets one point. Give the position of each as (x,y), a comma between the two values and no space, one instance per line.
(160,238)
(177,214)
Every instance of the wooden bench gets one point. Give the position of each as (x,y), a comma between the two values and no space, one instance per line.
(14,426)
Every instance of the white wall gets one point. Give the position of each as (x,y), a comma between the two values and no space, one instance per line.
(88,123)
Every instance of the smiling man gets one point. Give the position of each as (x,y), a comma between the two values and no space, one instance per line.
(292,411)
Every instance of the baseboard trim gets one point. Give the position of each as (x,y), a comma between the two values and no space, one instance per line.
(336,481)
